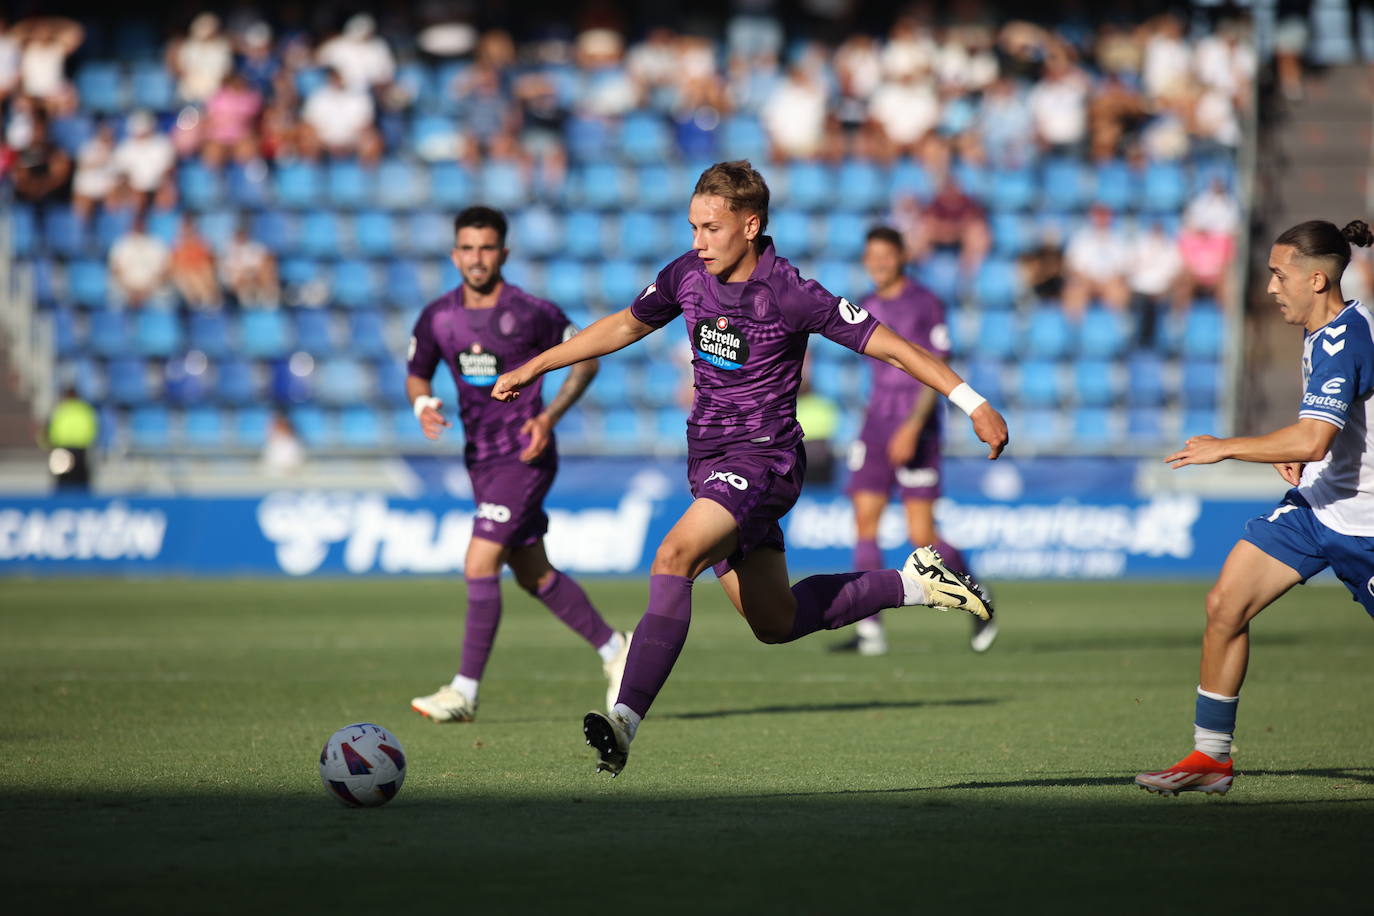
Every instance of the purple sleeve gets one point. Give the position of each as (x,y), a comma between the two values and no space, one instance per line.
(656,305)
(811,308)
(557,327)
(935,330)
(423,356)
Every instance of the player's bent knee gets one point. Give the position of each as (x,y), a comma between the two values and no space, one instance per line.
(1224,612)
(675,559)
(770,635)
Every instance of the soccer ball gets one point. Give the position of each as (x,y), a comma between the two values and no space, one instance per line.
(362,765)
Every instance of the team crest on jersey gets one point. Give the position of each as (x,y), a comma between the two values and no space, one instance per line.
(479,367)
(720,343)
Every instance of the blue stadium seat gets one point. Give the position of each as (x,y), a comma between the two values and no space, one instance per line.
(585,235)
(208,332)
(367,335)
(200,188)
(249,186)
(87,375)
(375,233)
(1048,335)
(128,381)
(203,428)
(1202,421)
(157,332)
(1038,384)
(1117,185)
(320,234)
(405,431)
(1065,185)
(844,234)
(150,428)
(273,229)
(299,185)
(349,186)
(218,227)
(435,138)
(355,284)
(622,281)
(986,377)
(313,331)
(63,233)
(235,383)
(1012,233)
(249,427)
(110,225)
(743,137)
(664,382)
(341,382)
(792,233)
(265,334)
(403,284)
(810,186)
(24,229)
(622,430)
(645,138)
(1093,426)
(910,179)
(613,386)
(1164,189)
(100,85)
(1095,383)
(503,185)
(1203,330)
(862,186)
(1012,189)
(151,87)
(1103,333)
(430,234)
(68,336)
(974,180)
(391,382)
(670,425)
(1201,384)
(642,235)
(1145,424)
(997,284)
(997,336)
(575,432)
(601,186)
(108,334)
(71,132)
(1040,428)
(536,232)
(588,139)
(311,426)
(360,427)
(87,283)
(842,278)
(186,381)
(566,283)
(1145,388)
(163,224)
(308,79)
(660,186)
(400,185)
(451,187)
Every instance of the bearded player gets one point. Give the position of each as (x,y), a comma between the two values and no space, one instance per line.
(748,316)
(480,329)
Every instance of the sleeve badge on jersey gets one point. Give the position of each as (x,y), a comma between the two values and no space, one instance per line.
(652,287)
(410,349)
(570,332)
(850,312)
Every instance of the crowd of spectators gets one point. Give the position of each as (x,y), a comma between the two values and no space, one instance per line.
(997,96)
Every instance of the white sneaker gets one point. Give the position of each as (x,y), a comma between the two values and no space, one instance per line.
(615,670)
(983,636)
(609,735)
(944,587)
(445,705)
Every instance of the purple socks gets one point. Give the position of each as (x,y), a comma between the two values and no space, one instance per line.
(830,602)
(657,642)
(568,602)
(867,556)
(484,615)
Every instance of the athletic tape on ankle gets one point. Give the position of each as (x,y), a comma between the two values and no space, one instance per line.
(966,399)
(424,401)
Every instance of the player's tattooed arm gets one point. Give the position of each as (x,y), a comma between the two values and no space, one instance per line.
(539,428)
(614,332)
(901,447)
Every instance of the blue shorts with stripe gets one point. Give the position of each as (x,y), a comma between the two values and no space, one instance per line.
(1292,535)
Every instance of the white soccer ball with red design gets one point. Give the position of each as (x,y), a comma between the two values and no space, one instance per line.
(362,765)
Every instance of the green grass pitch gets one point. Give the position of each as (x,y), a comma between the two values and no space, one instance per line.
(159,745)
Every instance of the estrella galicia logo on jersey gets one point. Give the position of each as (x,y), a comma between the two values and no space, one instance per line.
(479,367)
(851,313)
(720,343)
(1333,385)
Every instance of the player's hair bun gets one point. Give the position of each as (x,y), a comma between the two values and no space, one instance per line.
(1357,233)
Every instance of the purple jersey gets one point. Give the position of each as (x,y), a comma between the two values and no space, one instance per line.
(480,344)
(916,314)
(748,340)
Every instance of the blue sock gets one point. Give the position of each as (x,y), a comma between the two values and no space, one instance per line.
(1214,723)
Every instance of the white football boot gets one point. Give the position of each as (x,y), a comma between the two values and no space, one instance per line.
(983,636)
(944,587)
(609,735)
(615,670)
(445,705)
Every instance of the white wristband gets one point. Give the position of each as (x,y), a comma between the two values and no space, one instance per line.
(966,399)
(424,401)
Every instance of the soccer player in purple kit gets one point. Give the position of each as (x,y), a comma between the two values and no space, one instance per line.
(479,329)
(748,315)
(899,445)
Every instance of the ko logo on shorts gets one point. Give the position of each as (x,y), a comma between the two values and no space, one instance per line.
(730,477)
(851,313)
(720,343)
(1333,385)
(493,512)
(478,366)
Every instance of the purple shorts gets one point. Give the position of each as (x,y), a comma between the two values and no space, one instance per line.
(510,501)
(756,488)
(870,472)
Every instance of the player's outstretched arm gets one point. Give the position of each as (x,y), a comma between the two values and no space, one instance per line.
(614,332)
(1304,441)
(923,366)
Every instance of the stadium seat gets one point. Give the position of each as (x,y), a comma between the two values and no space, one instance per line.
(314,333)
(264,334)
(1012,189)
(862,186)
(1200,421)
(199,187)
(310,425)
(1094,427)
(348,184)
(128,380)
(1145,387)
(402,284)
(87,283)
(743,137)
(23,229)
(585,235)
(910,179)
(1048,334)
(272,228)
(367,335)
(430,234)
(320,235)
(842,278)
(664,382)
(1116,185)
(1103,333)
(643,235)
(100,86)
(567,283)
(435,138)
(63,233)
(1038,384)
(844,235)
(406,431)
(1096,383)
(997,336)
(615,384)
(536,232)
(186,381)
(601,186)
(248,427)
(150,428)
(236,383)
(1202,333)
(249,185)
(150,86)
(69,338)
(360,427)
(163,224)
(355,284)
(645,138)
(986,377)
(621,429)
(218,226)
(375,233)
(108,334)
(1145,424)
(208,332)
(670,425)
(588,139)
(976,180)
(1164,188)
(110,225)
(792,233)
(1201,383)
(1039,429)
(660,187)
(400,185)
(809,186)
(71,132)
(299,185)
(203,428)
(1064,184)
(1012,233)
(503,185)
(621,282)
(997,284)
(157,332)
(391,382)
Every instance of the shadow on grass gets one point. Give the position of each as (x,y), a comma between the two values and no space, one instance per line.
(1153,641)
(861,706)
